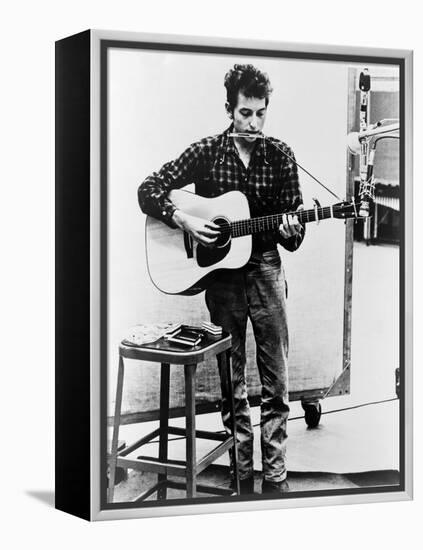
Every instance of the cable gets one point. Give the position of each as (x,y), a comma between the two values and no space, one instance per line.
(302,168)
(268,140)
(351,408)
(297,417)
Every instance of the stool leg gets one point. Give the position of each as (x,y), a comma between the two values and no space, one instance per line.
(164,424)
(224,360)
(116,424)
(191,455)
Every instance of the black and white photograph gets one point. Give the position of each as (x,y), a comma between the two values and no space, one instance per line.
(210,278)
(252,296)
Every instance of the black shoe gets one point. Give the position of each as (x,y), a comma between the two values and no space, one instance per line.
(274,487)
(246,486)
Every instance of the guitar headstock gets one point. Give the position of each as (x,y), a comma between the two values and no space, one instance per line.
(346,209)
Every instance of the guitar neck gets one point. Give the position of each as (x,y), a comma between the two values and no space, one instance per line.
(240,228)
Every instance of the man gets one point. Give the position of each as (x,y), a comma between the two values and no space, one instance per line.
(256,166)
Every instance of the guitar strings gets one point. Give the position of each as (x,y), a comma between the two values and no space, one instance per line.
(259,222)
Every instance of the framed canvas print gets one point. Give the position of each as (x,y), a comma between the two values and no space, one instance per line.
(233,275)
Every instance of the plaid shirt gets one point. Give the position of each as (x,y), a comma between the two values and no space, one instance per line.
(270,182)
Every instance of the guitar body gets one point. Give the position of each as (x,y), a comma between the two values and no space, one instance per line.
(177,264)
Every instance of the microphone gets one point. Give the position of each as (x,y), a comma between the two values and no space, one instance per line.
(354,139)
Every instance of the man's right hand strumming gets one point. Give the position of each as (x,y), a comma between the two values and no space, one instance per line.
(203,231)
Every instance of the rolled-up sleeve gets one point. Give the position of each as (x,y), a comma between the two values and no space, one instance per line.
(154,190)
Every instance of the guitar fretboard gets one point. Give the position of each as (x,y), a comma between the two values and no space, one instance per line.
(240,228)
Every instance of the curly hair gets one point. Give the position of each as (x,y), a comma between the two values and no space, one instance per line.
(248,80)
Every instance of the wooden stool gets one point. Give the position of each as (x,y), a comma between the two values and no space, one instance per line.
(166,353)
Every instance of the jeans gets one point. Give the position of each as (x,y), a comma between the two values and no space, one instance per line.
(256,292)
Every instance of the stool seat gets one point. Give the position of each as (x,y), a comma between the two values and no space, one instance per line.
(165,352)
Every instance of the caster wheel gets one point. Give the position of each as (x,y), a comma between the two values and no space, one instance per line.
(312,414)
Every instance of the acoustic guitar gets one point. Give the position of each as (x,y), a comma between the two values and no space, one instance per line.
(179,265)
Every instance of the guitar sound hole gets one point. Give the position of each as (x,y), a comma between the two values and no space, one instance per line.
(225,232)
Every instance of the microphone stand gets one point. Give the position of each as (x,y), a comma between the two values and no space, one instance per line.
(364,143)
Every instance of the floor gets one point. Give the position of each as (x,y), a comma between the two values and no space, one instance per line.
(356,443)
